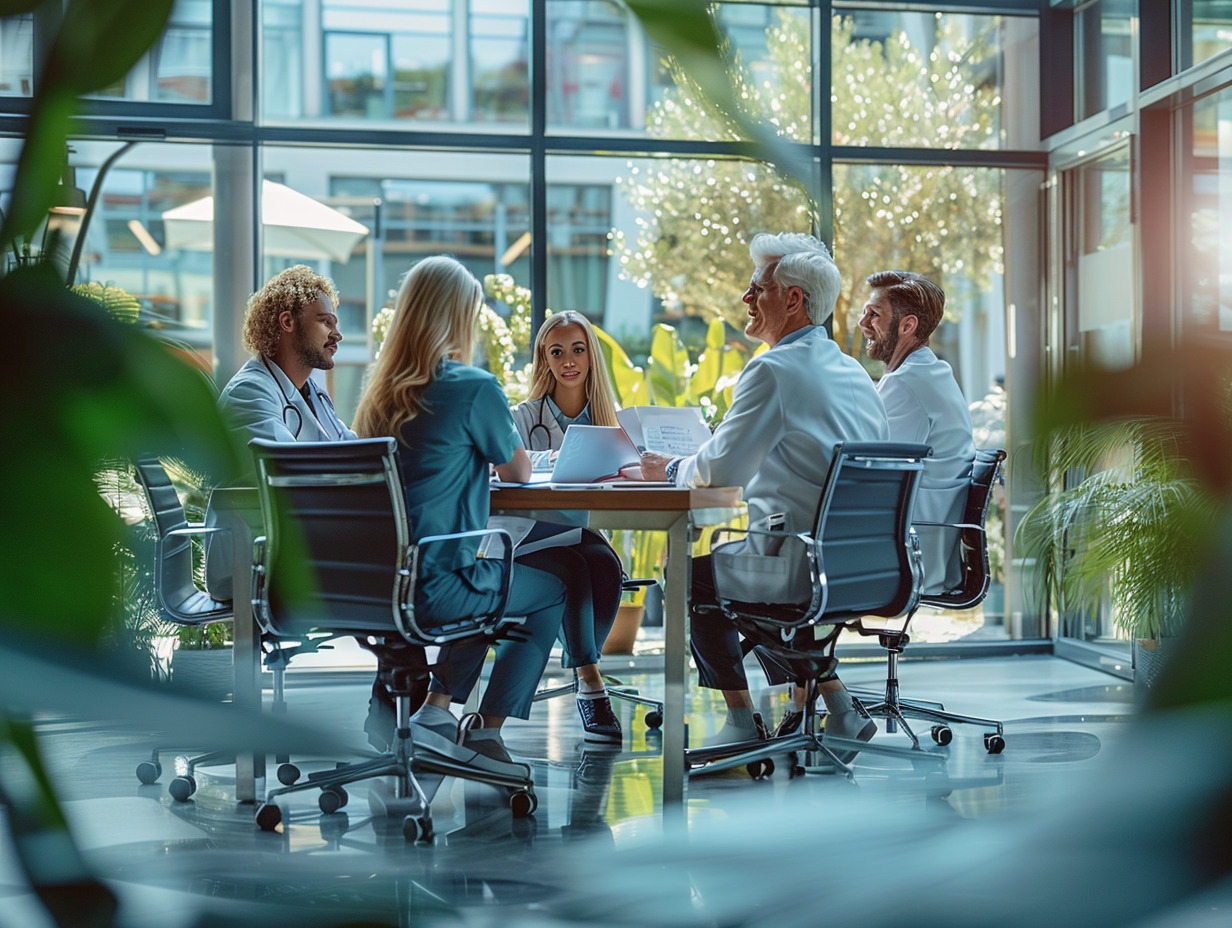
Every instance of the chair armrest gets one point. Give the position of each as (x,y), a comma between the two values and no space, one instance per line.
(410,566)
(259,596)
(196,528)
(958,526)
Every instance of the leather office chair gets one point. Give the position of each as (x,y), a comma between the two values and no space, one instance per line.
(178,597)
(967,594)
(862,560)
(337,557)
(181,602)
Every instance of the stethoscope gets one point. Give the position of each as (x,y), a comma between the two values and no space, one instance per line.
(289,411)
(530,437)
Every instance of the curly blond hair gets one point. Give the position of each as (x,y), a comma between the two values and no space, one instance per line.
(288,290)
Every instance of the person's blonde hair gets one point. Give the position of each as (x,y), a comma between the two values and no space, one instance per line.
(599,393)
(290,290)
(434,319)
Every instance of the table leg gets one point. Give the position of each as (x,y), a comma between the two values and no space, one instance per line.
(246,658)
(675,669)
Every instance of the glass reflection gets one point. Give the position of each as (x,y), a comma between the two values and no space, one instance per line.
(1209,23)
(16,56)
(1207,279)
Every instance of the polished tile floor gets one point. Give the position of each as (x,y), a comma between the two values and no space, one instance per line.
(202,862)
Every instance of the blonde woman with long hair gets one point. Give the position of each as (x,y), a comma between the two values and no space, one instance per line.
(452,422)
(569,385)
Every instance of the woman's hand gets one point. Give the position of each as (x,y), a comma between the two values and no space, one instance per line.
(654,465)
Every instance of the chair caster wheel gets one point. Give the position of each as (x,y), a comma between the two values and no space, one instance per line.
(654,719)
(332,799)
(523,803)
(994,743)
(182,788)
(759,769)
(148,772)
(417,828)
(269,816)
(288,774)
(942,734)
(796,769)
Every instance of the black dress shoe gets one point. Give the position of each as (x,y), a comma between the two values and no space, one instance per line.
(790,723)
(598,719)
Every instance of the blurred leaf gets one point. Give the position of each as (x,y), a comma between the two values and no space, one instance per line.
(667,367)
(1197,670)
(100,40)
(1191,383)
(627,377)
(35,677)
(82,389)
(39,167)
(17,7)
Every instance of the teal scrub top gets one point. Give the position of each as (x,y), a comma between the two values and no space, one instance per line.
(464,426)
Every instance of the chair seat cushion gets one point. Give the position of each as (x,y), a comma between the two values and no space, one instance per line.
(743,575)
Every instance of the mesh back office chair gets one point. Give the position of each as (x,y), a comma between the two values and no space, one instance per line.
(863,560)
(967,594)
(179,600)
(337,556)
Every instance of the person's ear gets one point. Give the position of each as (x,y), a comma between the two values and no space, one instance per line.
(908,326)
(795,300)
(286,321)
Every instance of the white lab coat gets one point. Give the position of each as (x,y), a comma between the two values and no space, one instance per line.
(791,406)
(924,404)
(528,416)
(257,402)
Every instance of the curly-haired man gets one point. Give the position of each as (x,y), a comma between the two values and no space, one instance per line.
(291,327)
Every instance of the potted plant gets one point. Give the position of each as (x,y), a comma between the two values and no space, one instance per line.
(1123,528)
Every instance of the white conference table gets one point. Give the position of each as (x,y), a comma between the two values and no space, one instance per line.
(679,512)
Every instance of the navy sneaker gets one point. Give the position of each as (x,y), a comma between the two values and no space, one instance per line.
(599,720)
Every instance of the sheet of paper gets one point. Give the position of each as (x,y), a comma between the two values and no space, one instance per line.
(675,430)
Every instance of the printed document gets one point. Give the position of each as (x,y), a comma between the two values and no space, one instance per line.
(675,430)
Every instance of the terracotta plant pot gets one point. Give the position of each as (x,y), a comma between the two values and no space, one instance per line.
(624,630)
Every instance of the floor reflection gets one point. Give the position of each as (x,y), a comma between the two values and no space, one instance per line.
(206,856)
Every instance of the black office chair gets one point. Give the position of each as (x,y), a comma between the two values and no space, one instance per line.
(178,597)
(181,602)
(862,559)
(969,592)
(337,557)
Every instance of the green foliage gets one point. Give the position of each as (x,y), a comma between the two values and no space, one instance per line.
(97,44)
(84,389)
(1124,523)
(696,217)
(119,304)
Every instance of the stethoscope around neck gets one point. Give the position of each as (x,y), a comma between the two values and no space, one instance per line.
(289,411)
(530,437)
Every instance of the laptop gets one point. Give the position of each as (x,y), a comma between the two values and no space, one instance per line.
(589,454)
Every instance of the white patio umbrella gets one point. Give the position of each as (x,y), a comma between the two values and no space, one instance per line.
(294,226)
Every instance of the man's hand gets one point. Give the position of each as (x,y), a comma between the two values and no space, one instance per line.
(654,465)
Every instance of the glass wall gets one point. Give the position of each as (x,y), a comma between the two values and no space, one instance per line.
(179,68)
(17,56)
(1206,216)
(408,127)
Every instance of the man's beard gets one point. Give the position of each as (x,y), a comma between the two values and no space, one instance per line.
(883,348)
(314,357)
